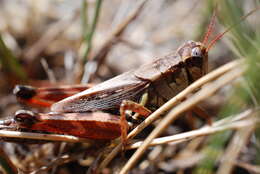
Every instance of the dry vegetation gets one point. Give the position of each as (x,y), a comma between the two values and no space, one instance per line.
(57,42)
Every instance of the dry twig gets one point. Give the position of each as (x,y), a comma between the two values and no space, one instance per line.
(234,148)
(58,161)
(250,167)
(6,163)
(207,130)
(41,136)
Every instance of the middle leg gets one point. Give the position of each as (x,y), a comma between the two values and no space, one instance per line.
(135,107)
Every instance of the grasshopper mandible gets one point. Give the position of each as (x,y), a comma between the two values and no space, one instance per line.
(92,113)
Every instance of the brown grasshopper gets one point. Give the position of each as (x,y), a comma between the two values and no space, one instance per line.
(92,113)
(81,115)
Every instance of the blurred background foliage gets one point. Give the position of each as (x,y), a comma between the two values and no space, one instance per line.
(69,34)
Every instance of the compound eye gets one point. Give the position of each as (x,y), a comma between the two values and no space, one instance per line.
(196,52)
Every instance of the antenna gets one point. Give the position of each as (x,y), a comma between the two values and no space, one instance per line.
(231,27)
(210,26)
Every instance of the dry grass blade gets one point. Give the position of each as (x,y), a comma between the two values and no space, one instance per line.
(167,106)
(249,167)
(56,162)
(48,71)
(218,126)
(193,100)
(236,145)
(41,136)
(6,163)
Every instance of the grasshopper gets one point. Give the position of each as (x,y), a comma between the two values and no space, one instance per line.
(91,112)
(80,114)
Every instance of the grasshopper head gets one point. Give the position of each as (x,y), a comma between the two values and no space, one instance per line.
(195,58)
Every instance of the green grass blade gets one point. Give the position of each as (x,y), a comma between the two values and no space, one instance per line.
(9,62)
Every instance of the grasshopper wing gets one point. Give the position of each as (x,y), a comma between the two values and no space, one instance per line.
(104,96)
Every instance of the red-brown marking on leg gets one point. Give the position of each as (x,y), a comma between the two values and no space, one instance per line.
(135,107)
(94,125)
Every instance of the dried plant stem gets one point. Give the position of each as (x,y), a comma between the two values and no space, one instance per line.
(167,106)
(179,138)
(250,167)
(204,93)
(238,142)
(58,161)
(41,136)
(48,71)
(6,163)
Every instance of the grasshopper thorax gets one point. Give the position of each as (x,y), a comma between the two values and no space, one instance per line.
(195,58)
